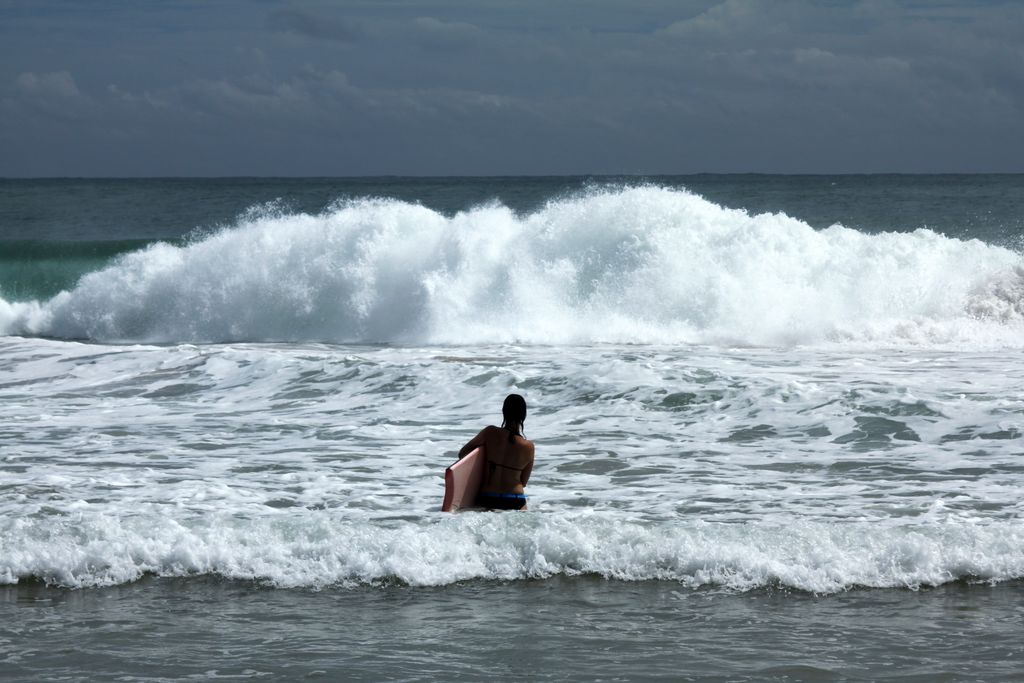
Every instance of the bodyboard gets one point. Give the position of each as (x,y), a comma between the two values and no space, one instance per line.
(462,481)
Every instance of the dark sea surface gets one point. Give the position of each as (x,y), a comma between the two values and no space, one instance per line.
(779,425)
(559,629)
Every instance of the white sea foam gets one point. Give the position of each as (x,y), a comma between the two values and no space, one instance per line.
(318,549)
(640,264)
(307,465)
(812,467)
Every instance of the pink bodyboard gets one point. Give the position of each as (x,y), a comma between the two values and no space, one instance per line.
(462,481)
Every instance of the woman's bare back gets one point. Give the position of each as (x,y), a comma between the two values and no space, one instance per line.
(509,462)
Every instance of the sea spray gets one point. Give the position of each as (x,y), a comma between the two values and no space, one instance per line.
(635,265)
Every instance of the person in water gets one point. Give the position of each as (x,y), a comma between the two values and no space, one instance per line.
(509,458)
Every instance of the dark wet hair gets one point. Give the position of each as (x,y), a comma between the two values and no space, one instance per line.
(513,413)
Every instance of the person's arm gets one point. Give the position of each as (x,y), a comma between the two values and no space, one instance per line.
(477,441)
(525,476)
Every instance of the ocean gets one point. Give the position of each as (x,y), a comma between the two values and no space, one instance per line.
(779,424)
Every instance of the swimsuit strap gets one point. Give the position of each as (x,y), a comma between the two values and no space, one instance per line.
(507,467)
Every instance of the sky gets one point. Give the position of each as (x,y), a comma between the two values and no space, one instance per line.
(125,88)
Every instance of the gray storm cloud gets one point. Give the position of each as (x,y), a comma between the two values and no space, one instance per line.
(528,87)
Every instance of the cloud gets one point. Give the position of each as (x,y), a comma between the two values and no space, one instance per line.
(435,34)
(48,99)
(461,86)
(53,84)
(737,23)
(313,26)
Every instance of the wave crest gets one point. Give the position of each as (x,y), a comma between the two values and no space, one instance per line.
(640,264)
(314,550)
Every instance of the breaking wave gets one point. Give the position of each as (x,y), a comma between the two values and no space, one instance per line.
(316,550)
(640,264)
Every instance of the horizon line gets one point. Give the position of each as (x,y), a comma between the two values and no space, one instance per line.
(506,175)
